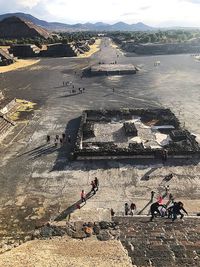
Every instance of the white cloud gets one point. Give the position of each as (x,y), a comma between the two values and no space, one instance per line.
(29,3)
(152,12)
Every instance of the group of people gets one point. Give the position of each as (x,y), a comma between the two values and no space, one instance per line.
(171,212)
(59,139)
(80,91)
(129,210)
(73,90)
(94,189)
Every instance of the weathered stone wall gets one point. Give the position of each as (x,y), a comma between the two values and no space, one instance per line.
(154,49)
(161,243)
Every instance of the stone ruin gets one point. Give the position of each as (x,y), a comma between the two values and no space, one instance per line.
(133,133)
(109,69)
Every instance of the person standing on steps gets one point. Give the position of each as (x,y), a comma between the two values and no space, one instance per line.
(96,181)
(83,196)
(166,190)
(132,209)
(63,137)
(112,213)
(152,195)
(126,209)
(48,139)
(56,142)
(164,155)
(61,141)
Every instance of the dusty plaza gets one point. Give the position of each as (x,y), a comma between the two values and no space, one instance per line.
(38,180)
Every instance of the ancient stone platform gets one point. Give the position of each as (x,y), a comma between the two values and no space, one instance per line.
(110,69)
(161,243)
(133,133)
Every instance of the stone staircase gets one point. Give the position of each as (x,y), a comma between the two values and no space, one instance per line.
(161,243)
(5,124)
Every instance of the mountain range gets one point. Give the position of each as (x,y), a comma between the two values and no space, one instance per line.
(99,26)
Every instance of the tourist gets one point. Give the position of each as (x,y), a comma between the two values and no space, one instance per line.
(152,195)
(93,187)
(112,213)
(166,190)
(56,142)
(48,138)
(132,209)
(57,137)
(154,209)
(96,181)
(83,196)
(126,209)
(164,155)
(176,211)
(63,136)
(61,141)
(171,198)
(170,211)
(113,90)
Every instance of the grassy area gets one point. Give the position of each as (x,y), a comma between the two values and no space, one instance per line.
(4,47)
(20,63)
(23,110)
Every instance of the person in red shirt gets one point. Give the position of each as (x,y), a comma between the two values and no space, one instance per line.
(83,196)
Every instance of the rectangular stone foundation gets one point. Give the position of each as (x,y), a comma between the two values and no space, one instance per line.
(110,69)
(103,134)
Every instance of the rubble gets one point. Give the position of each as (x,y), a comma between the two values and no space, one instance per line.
(79,230)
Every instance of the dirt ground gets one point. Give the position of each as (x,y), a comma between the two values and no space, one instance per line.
(64,252)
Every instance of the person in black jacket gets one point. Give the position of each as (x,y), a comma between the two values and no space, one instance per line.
(154,209)
(177,210)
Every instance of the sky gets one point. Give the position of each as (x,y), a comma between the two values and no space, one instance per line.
(159,13)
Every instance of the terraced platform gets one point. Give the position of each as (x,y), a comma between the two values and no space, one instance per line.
(161,243)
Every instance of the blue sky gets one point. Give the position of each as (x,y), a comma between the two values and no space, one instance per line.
(152,12)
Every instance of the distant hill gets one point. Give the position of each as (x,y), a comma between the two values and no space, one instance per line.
(15,27)
(99,26)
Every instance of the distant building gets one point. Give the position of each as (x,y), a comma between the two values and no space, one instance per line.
(60,50)
(14,27)
(5,58)
(25,51)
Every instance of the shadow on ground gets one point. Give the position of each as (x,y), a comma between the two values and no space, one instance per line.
(65,150)
(77,205)
(39,151)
